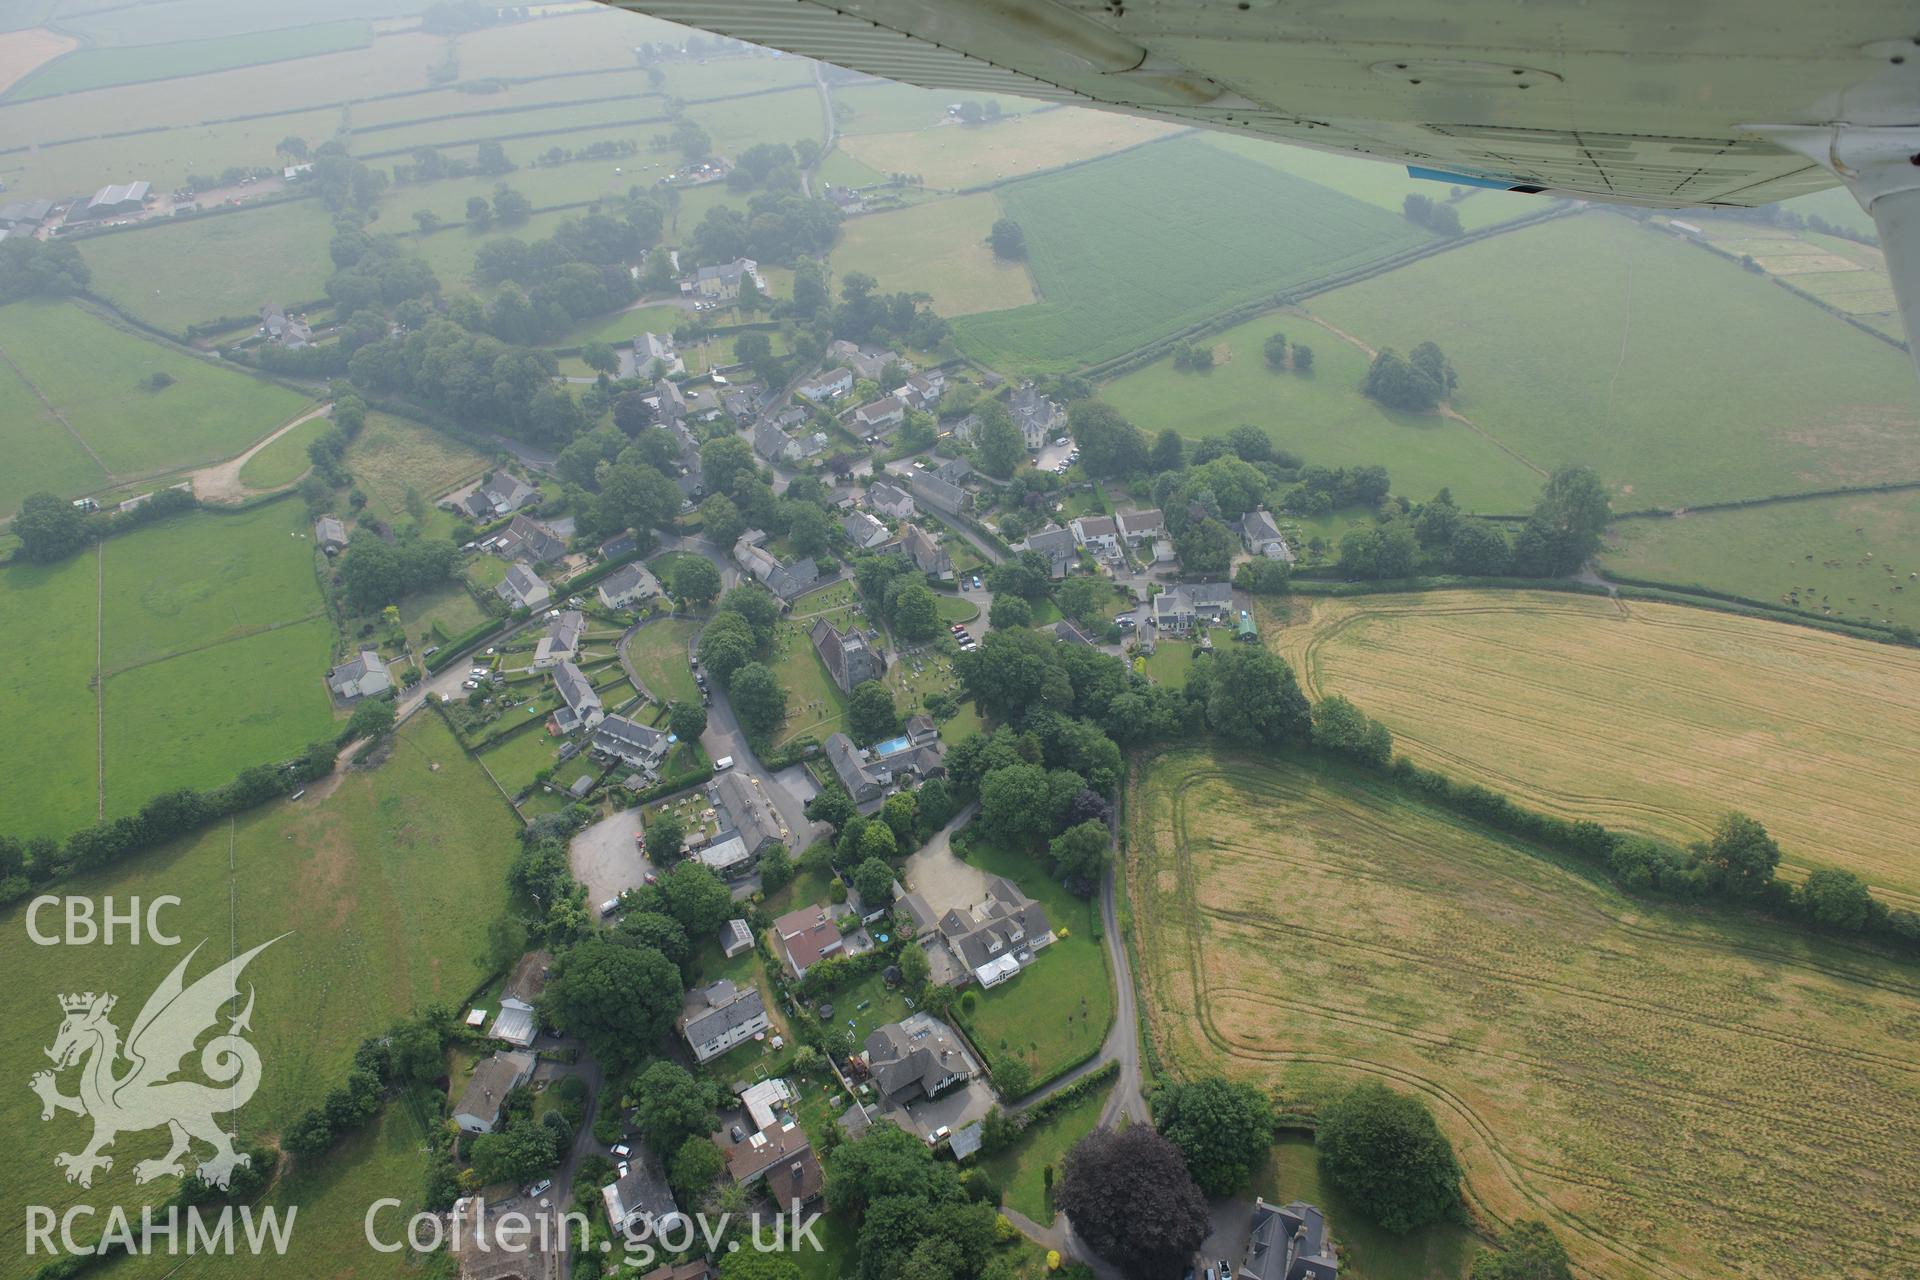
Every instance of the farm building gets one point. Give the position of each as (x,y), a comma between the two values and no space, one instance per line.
(24,216)
(493,1078)
(716,1018)
(365,676)
(850,659)
(112,201)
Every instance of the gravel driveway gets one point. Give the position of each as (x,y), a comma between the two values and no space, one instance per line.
(606,859)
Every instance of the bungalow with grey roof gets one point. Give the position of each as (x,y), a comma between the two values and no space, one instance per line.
(523,587)
(716,1018)
(478,1110)
(502,494)
(890,501)
(562,641)
(1262,537)
(626,586)
(579,705)
(330,535)
(366,676)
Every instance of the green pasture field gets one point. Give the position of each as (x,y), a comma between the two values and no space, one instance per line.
(450,251)
(449,606)
(206,414)
(42,455)
(514,762)
(1019,1171)
(200,578)
(454,101)
(739,123)
(1441,1251)
(574,182)
(177,274)
(102,68)
(720,77)
(659,655)
(940,249)
(540,122)
(1582,340)
(1321,416)
(48,761)
(1196,230)
(285,460)
(576,40)
(219,709)
(1812,554)
(383,891)
(687,205)
(881,106)
(1379,183)
(393,454)
(1055,1013)
(624,326)
(1306,931)
(842,170)
(964,157)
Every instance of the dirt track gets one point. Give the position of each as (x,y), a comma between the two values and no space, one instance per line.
(221,481)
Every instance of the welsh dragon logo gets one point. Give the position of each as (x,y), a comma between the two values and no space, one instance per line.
(146,1095)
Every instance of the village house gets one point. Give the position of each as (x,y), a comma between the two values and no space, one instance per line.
(579,705)
(562,641)
(865,783)
(618,547)
(890,501)
(921,390)
(523,587)
(779,1147)
(881,416)
(863,531)
(804,937)
(940,494)
(629,585)
(669,403)
(365,676)
(866,362)
(871,912)
(1262,537)
(652,356)
(516,1022)
(915,1058)
(998,936)
(746,811)
(527,539)
(829,385)
(925,919)
(1036,415)
(784,580)
(723,281)
(636,745)
(330,535)
(493,1078)
(850,659)
(281,329)
(776,446)
(928,556)
(1141,526)
(966,430)
(955,471)
(1289,1243)
(639,1202)
(716,1018)
(1097,534)
(1058,545)
(502,494)
(1176,612)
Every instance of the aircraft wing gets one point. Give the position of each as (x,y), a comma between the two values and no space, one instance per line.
(1661,102)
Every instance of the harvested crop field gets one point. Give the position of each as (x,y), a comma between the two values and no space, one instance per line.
(939,249)
(24,52)
(1656,1085)
(959,158)
(1649,717)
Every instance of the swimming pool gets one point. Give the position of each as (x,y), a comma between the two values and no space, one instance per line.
(892,746)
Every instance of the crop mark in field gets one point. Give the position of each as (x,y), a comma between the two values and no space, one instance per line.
(58,416)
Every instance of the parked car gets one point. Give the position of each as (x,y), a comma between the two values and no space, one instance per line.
(1226,1270)
(541,1187)
(622,1150)
(724,762)
(610,906)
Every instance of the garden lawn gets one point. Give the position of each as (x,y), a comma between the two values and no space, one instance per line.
(658,653)
(48,763)
(1583,341)
(440,613)
(1195,227)
(865,1006)
(177,274)
(1169,663)
(938,248)
(1441,1251)
(42,455)
(1321,416)
(1020,1170)
(285,460)
(207,413)
(962,725)
(379,895)
(514,761)
(622,327)
(1055,1013)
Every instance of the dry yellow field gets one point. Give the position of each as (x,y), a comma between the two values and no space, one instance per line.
(1678,1095)
(953,156)
(1653,718)
(29,50)
(939,248)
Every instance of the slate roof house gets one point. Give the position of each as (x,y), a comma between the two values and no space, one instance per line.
(527,539)
(650,349)
(916,1057)
(1138,526)
(628,585)
(1057,545)
(523,587)
(784,580)
(716,1018)
(863,531)
(502,494)
(1097,532)
(1263,538)
(723,281)
(330,535)
(635,745)
(1175,612)
(850,659)
(928,556)
(890,500)
(1034,414)
(1289,1243)
(640,1203)
(364,677)
(866,362)
(804,937)
(953,471)
(935,492)
(825,386)
(997,938)
(748,811)
(865,783)
(562,641)
(579,705)
(492,1080)
(881,416)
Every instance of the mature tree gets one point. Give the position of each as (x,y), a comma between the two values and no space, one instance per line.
(695,1167)
(873,881)
(832,806)
(662,933)
(632,415)
(1835,899)
(1131,1199)
(696,581)
(1224,1129)
(371,719)
(1253,696)
(1302,358)
(809,529)
(901,813)
(1340,726)
(1206,547)
(915,613)
(697,898)
(722,519)
(1002,446)
(1109,444)
(522,1150)
(1383,1149)
(1015,671)
(750,1264)
(756,604)
(1014,804)
(671,1105)
(1479,548)
(1008,240)
(1741,855)
(726,645)
(1275,350)
(1437,521)
(1081,853)
(871,716)
(1010,611)
(723,459)
(1251,444)
(1399,384)
(617,999)
(1085,599)
(511,207)
(809,289)
(1566,524)
(935,802)
(666,838)
(687,720)
(600,358)
(49,527)
(877,842)
(759,699)
(1528,1251)
(1025,576)
(1169,453)
(886,1161)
